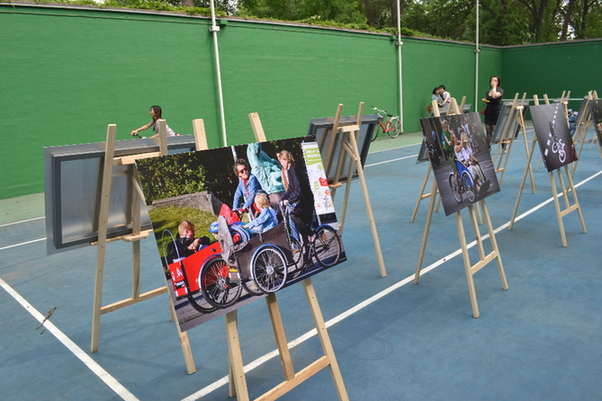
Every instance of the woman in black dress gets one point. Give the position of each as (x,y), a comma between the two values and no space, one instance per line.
(493,100)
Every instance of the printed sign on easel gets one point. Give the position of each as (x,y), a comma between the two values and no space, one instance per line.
(231,228)
(460,159)
(552,130)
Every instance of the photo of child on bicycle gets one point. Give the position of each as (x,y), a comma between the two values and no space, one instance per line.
(459,154)
(552,131)
(230,231)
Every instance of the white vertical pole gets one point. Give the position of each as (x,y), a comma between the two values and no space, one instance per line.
(399,62)
(215,29)
(476,51)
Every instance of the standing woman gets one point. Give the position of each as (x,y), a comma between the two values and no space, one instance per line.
(155,113)
(298,194)
(493,102)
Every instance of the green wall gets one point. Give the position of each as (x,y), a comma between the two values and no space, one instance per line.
(554,68)
(68,72)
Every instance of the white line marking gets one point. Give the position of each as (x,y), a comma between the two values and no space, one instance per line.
(22,243)
(71,346)
(22,221)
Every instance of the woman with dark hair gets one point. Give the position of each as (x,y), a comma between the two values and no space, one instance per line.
(248,187)
(493,102)
(155,113)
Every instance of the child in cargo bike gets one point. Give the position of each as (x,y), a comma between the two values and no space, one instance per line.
(185,243)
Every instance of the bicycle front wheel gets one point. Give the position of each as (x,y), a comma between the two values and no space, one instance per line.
(218,289)
(377,130)
(395,127)
(327,246)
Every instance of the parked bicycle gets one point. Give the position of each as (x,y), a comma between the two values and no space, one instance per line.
(390,124)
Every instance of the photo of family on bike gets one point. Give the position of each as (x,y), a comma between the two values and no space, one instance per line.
(459,153)
(235,224)
(553,136)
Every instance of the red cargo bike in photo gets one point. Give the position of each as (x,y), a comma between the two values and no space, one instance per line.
(259,265)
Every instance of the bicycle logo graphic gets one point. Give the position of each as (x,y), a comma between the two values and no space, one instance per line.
(556,144)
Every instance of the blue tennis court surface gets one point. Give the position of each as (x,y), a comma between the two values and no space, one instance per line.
(541,339)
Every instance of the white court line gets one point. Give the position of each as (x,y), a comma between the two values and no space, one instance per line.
(22,243)
(71,346)
(22,221)
(126,395)
(224,380)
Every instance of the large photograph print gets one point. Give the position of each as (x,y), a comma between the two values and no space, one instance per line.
(235,224)
(552,130)
(596,108)
(460,158)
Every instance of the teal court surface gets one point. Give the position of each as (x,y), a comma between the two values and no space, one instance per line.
(394,340)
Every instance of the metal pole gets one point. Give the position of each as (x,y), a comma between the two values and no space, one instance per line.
(215,29)
(476,51)
(399,62)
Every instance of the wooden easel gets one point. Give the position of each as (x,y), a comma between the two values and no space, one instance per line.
(348,135)
(135,237)
(564,188)
(238,384)
(484,259)
(454,109)
(584,120)
(515,116)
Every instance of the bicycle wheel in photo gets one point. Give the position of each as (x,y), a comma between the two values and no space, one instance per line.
(394,127)
(269,268)
(454,187)
(327,246)
(469,187)
(218,289)
(200,303)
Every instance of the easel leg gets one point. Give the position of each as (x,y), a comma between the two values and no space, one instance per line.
(277,325)
(353,152)
(421,196)
(103,223)
(235,356)
(184,342)
(558,212)
(325,339)
(494,246)
(427,227)
(467,267)
(575,200)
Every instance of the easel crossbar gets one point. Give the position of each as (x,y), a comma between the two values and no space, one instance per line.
(134,300)
(483,262)
(299,378)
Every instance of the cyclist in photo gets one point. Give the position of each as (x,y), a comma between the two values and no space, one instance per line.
(299,196)
(465,155)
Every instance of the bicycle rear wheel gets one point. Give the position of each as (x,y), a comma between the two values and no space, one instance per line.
(396,125)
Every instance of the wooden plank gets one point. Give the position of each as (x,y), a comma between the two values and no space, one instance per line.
(131,301)
(278,327)
(103,220)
